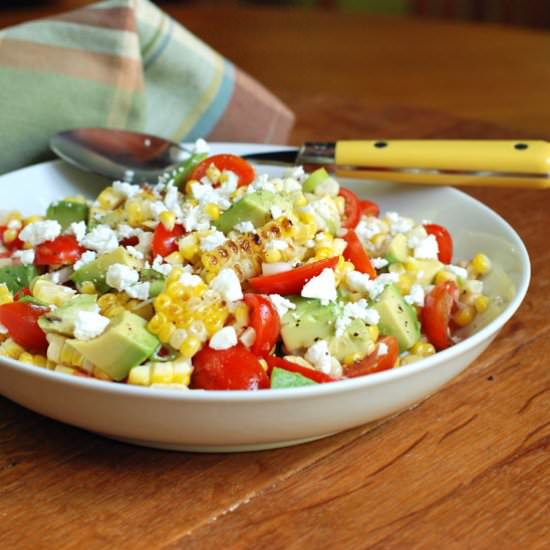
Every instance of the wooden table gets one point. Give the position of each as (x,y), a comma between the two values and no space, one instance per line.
(467,468)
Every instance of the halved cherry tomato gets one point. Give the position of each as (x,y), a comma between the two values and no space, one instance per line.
(165,242)
(375,361)
(315,375)
(232,163)
(63,250)
(16,244)
(436,314)
(369,208)
(352,212)
(356,254)
(235,368)
(290,282)
(22,292)
(264,319)
(444,241)
(21,321)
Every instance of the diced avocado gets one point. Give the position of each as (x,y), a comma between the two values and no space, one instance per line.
(155,279)
(17,277)
(306,324)
(96,270)
(356,340)
(314,179)
(397,318)
(281,378)
(67,212)
(183,171)
(125,344)
(61,319)
(112,218)
(254,207)
(426,270)
(398,250)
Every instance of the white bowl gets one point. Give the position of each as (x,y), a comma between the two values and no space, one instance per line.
(217,421)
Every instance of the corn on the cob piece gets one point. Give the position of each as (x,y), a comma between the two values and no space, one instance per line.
(50,293)
(10,349)
(61,352)
(109,199)
(112,304)
(171,373)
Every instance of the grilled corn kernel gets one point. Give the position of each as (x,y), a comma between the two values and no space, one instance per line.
(168,220)
(306,217)
(379,240)
(189,247)
(374,332)
(443,276)
(213,173)
(411,358)
(481,303)
(10,235)
(109,199)
(6,296)
(212,211)
(182,373)
(174,259)
(190,347)
(411,266)
(135,213)
(87,287)
(50,293)
(9,348)
(352,358)
(32,219)
(324,253)
(162,373)
(189,186)
(272,256)
(140,375)
(14,215)
(174,275)
(64,369)
(481,264)
(40,361)
(26,357)
(424,349)
(162,301)
(404,284)
(300,201)
(464,316)
(165,331)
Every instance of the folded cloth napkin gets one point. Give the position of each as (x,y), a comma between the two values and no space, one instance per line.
(124,64)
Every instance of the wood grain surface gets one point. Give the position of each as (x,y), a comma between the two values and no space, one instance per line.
(467,468)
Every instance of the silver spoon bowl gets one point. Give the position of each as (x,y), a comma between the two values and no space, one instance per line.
(118,154)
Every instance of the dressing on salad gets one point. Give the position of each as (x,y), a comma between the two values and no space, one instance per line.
(221,279)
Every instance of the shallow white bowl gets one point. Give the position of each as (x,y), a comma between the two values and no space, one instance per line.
(238,421)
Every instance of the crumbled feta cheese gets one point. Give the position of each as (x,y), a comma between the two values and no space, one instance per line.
(399,224)
(124,231)
(171,199)
(89,324)
(319,356)
(380,283)
(121,276)
(245,227)
(126,189)
(86,258)
(78,229)
(248,337)
(40,232)
(157,208)
(3,329)
(357,310)
(188,279)
(297,172)
(379,263)
(368,227)
(415,236)
(200,146)
(101,239)
(322,287)
(382,349)
(276,244)
(360,282)
(281,304)
(291,185)
(276,267)
(134,252)
(26,257)
(61,275)
(140,291)
(415,296)
(457,270)
(329,187)
(325,212)
(225,338)
(145,241)
(228,285)
(160,267)
(276,211)
(194,218)
(212,241)
(427,249)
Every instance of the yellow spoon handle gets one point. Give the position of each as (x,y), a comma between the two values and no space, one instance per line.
(456,162)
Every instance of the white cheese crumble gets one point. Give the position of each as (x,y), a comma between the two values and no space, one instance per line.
(248,337)
(26,257)
(329,187)
(275,267)
(212,241)
(368,227)
(145,241)
(399,224)
(427,249)
(297,172)
(276,244)
(382,349)
(379,263)
(276,211)
(121,276)
(245,227)
(228,285)
(89,324)
(126,189)
(101,239)
(78,229)
(458,271)
(157,208)
(281,304)
(225,338)
(358,310)
(61,275)
(194,219)
(14,224)
(140,291)
(319,356)
(134,252)
(40,232)
(188,279)
(200,146)
(322,287)
(360,282)
(3,329)
(415,296)
(160,267)
(124,231)
(86,258)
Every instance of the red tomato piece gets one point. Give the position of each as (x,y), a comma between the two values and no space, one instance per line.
(22,292)
(165,242)
(315,375)
(63,250)
(264,319)
(16,244)
(130,241)
(436,314)
(374,362)
(243,169)
(235,368)
(290,282)
(352,213)
(369,208)
(21,321)
(356,254)
(444,241)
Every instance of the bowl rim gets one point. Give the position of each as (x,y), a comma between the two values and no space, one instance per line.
(285,394)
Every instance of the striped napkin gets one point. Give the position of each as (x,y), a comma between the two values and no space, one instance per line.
(124,64)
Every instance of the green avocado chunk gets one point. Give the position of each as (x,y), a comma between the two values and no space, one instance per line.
(16,277)
(96,270)
(356,341)
(398,250)
(61,320)
(314,179)
(281,378)
(426,270)
(397,318)
(67,212)
(254,207)
(155,279)
(125,344)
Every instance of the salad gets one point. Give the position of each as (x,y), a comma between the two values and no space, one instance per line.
(218,278)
